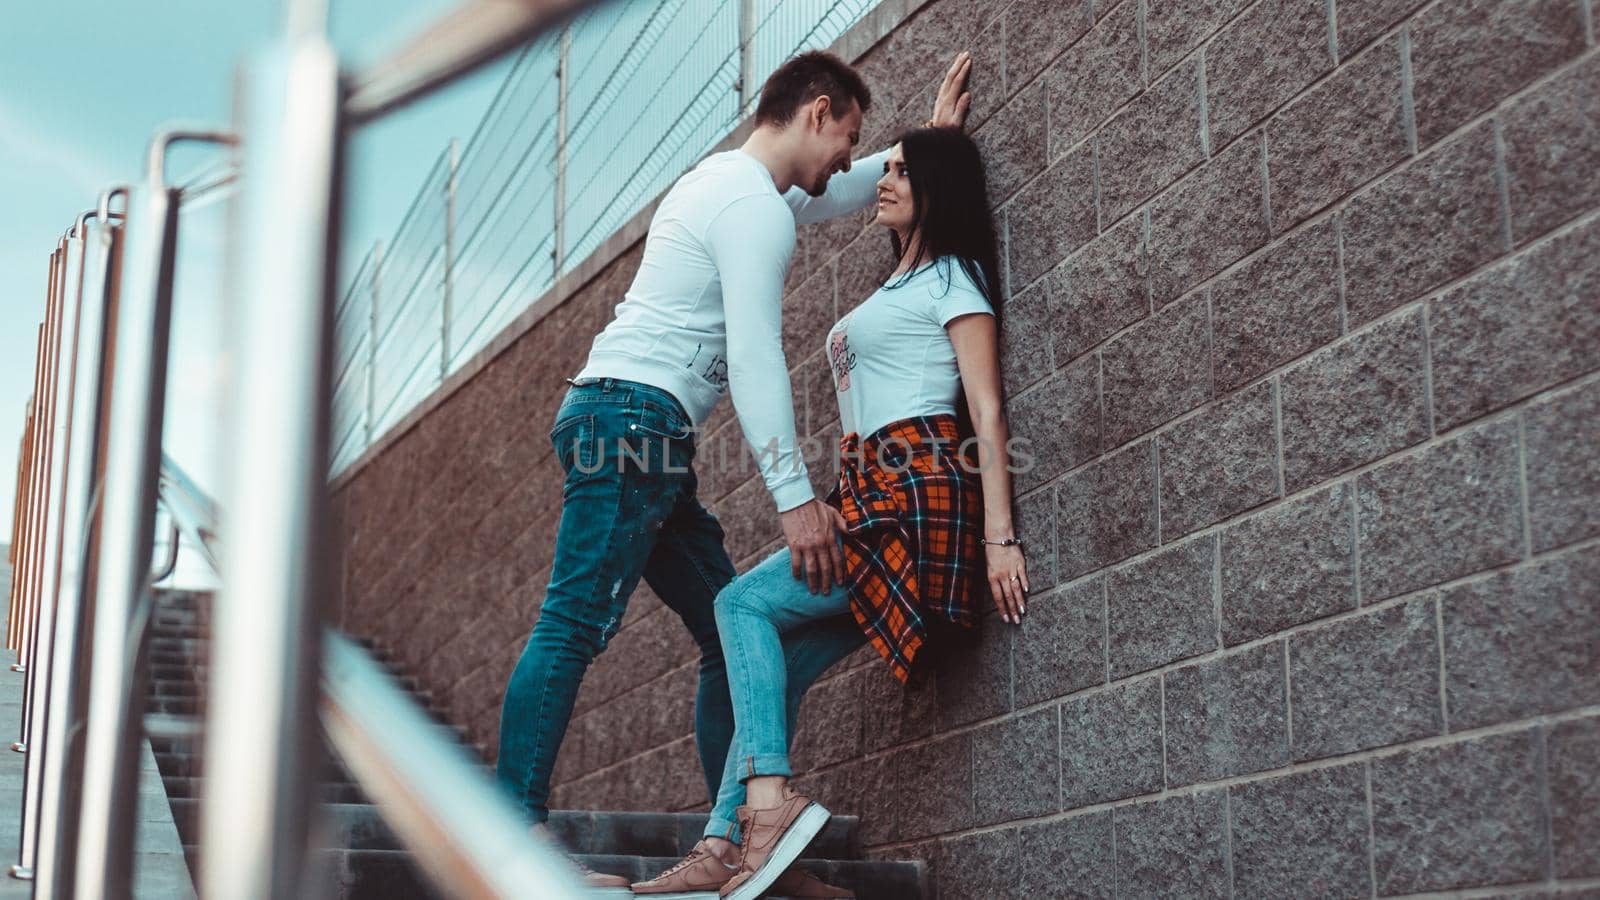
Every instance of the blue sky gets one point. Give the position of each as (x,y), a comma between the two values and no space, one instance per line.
(82,88)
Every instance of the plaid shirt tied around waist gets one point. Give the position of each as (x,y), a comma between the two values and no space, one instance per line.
(913,514)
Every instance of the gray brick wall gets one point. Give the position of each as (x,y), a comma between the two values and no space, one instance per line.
(1304,318)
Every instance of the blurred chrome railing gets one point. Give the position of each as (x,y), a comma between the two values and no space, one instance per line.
(91,476)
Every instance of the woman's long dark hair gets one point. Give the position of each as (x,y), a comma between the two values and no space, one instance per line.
(952,218)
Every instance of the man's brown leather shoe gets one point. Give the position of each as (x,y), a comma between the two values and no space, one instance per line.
(798,884)
(698,877)
(773,840)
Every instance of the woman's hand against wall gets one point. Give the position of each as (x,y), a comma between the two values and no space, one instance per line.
(1008,581)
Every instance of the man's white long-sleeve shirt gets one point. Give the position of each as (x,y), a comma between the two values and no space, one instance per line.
(703,315)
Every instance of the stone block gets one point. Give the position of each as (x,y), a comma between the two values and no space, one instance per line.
(1151,142)
(748,516)
(1523,643)
(1174,27)
(1552,147)
(1173,848)
(807,316)
(1338,136)
(1100,290)
(1163,608)
(1107,511)
(1207,223)
(1037,31)
(900,713)
(1354,402)
(861,787)
(1574,754)
(1013,143)
(1528,323)
(1060,648)
(1360,21)
(862,268)
(1365,682)
(1262,59)
(1157,370)
(1459,815)
(1025,324)
(1448,511)
(1468,56)
(1291,564)
(1219,463)
(1094,78)
(1434,220)
(1111,744)
(978,866)
(1227,716)
(1036,525)
(1279,305)
(815,402)
(1060,420)
(831,722)
(921,810)
(1068,858)
(1302,835)
(974,672)
(1017,767)
(1051,217)
(1559,437)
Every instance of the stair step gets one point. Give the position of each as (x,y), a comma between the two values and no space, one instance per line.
(166,687)
(188,787)
(870,879)
(673,834)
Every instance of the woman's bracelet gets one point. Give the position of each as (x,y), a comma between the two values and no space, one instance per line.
(1005,542)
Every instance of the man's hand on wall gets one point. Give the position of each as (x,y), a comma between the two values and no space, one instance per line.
(950,107)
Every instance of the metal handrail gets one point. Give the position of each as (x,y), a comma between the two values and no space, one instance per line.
(467,836)
(68,681)
(474,34)
(108,811)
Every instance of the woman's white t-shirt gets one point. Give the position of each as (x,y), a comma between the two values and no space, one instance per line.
(891,356)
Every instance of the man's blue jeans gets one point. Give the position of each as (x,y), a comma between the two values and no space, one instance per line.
(628,511)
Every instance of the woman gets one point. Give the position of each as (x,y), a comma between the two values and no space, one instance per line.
(925,524)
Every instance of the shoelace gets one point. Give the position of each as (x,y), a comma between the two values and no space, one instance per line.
(694,856)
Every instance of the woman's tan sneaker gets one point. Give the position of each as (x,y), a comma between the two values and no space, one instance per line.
(773,840)
(698,877)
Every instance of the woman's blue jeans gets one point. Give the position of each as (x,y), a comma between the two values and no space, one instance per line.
(777,638)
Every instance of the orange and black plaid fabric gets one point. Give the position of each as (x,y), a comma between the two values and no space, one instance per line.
(913,513)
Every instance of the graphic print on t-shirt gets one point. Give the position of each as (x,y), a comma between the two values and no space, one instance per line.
(713,370)
(839,354)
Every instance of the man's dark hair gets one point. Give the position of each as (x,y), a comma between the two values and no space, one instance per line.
(805,78)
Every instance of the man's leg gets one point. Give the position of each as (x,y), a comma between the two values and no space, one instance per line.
(687,569)
(606,533)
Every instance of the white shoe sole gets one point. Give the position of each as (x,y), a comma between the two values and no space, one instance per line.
(681,895)
(794,841)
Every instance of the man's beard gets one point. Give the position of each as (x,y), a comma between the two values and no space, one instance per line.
(819,188)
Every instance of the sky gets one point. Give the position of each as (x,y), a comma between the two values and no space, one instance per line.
(83,86)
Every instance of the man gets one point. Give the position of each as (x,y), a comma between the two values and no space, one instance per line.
(701,319)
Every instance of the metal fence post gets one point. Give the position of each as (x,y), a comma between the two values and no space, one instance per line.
(260,727)
(372,343)
(558,253)
(450,184)
(45,754)
(747,56)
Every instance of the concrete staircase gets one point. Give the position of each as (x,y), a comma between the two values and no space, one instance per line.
(364,860)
